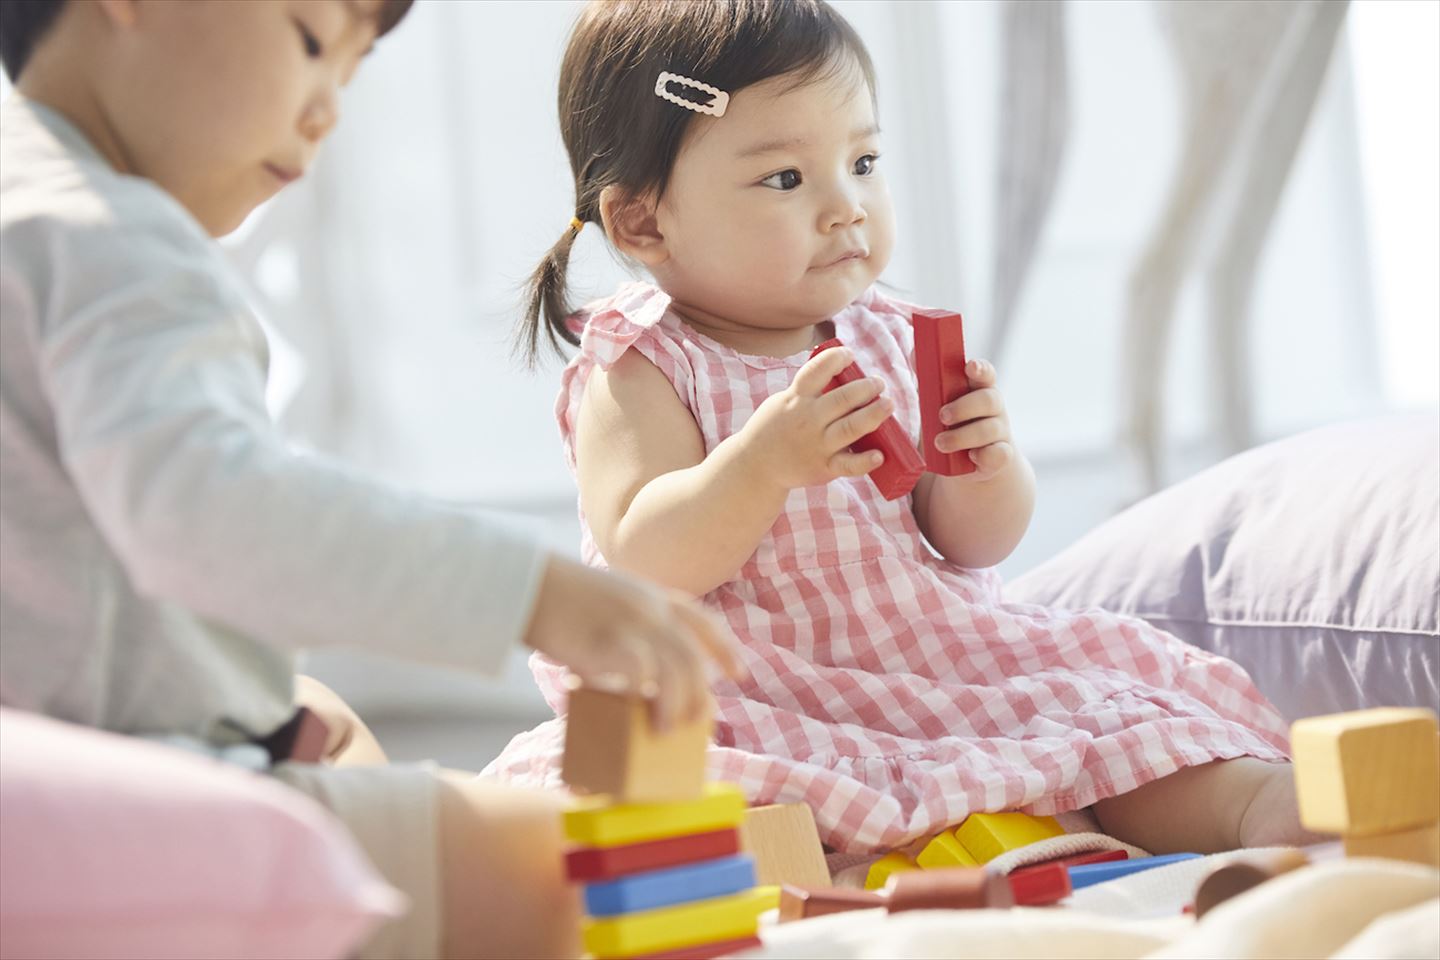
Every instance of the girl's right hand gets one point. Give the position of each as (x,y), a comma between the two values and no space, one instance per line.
(801,436)
(610,629)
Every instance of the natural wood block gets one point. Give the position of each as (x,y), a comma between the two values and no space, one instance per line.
(1420,845)
(1367,772)
(611,748)
(786,846)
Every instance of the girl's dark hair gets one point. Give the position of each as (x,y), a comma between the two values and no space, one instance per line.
(24,22)
(618,132)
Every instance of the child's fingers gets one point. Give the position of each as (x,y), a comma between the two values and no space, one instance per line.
(985,402)
(714,639)
(819,370)
(976,433)
(847,464)
(990,460)
(859,423)
(980,373)
(853,395)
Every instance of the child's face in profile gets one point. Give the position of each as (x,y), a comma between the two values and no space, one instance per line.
(776,214)
(226,102)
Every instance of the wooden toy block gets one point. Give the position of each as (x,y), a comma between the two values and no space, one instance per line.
(987,835)
(1367,772)
(584,864)
(594,822)
(966,888)
(940,370)
(1234,878)
(903,465)
(665,888)
(785,844)
(706,951)
(945,851)
(886,867)
(1041,884)
(1417,845)
(799,903)
(1090,874)
(612,748)
(676,928)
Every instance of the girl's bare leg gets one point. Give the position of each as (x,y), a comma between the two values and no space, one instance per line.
(504,889)
(1205,809)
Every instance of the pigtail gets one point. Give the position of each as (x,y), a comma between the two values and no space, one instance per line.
(546,307)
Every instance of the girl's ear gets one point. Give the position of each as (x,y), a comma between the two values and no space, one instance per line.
(631,225)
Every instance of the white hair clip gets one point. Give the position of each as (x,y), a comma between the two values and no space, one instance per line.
(716,107)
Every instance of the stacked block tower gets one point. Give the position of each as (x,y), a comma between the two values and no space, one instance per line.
(657,850)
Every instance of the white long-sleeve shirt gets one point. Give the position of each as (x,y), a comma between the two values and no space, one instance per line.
(163,552)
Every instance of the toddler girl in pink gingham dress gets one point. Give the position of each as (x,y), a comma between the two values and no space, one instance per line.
(731,149)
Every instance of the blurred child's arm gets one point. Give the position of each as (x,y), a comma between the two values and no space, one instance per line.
(977,519)
(660,507)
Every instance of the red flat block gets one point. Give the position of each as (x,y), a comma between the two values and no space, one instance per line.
(802,903)
(902,467)
(940,369)
(1075,860)
(1044,883)
(588,864)
(704,951)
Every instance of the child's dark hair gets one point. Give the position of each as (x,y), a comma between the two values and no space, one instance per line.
(24,22)
(618,132)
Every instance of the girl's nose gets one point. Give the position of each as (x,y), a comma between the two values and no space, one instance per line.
(321,114)
(844,209)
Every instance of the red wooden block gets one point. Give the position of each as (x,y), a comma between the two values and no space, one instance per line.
(588,864)
(940,369)
(1044,883)
(903,466)
(802,903)
(1075,860)
(704,951)
(961,888)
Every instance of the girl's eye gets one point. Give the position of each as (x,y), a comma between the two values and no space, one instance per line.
(784,180)
(312,46)
(866,164)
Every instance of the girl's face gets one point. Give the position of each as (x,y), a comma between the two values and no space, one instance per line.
(228,102)
(777,215)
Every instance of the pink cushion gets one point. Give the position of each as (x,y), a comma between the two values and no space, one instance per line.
(115,847)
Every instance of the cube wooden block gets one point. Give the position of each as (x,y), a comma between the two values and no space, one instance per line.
(987,835)
(786,846)
(1420,845)
(1367,772)
(945,851)
(612,748)
(886,867)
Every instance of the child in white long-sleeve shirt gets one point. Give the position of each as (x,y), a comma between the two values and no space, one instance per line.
(165,553)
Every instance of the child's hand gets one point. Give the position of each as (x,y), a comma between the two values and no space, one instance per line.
(801,436)
(607,627)
(984,425)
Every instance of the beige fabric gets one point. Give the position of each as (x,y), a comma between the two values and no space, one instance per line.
(393,812)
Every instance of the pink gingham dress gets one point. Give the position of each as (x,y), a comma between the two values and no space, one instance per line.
(893,691)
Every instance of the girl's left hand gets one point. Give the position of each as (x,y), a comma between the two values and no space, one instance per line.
(983,425)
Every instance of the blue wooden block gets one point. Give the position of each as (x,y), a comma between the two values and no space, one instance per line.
(1089,874)
(664,888)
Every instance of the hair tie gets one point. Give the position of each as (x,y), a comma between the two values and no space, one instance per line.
(577,224)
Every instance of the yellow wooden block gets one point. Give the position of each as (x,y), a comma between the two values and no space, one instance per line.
(785,844)
(771,893)
(987,835)
(594,822)
(886,867)
(945,851)
(1367,772)
(670,928)
(1421,845)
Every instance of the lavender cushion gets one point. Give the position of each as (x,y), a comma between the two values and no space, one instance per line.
(1313,562)
(111,846)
